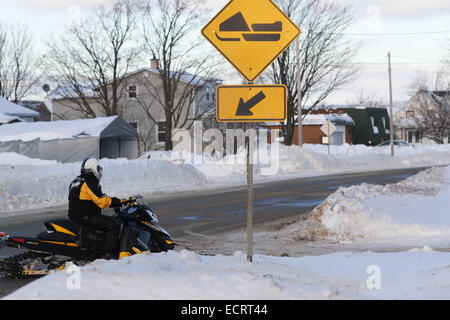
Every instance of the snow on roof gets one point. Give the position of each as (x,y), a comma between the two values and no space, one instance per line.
(319,119)
(348,106)
(7,119)
(67,91)
(63,129)
(12,109)
(183,75)
(38,99)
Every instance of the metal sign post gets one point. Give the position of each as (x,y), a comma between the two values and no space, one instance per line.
(250,194)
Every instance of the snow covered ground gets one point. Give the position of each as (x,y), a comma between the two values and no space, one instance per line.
(32,183)
(415,211)
(412,211)
(415,274)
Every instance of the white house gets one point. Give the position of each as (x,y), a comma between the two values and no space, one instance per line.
(410,121)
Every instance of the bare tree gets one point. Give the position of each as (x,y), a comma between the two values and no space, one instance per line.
(91,59)
(368,101)
(171,30)
(325,56)
(432,107)
(18,62)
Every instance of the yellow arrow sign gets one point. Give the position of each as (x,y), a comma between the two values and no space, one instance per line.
(251,34)
(251,103)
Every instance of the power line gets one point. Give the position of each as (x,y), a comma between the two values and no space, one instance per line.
(392,33)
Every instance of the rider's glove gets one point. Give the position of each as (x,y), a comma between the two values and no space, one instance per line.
(115,202)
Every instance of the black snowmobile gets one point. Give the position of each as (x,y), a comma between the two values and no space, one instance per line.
(65,240)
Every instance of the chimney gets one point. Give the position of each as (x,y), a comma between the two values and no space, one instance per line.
(154,63)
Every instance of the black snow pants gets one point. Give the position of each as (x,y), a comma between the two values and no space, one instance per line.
(109,225)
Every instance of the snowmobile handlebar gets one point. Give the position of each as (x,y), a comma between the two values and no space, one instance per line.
(124,202)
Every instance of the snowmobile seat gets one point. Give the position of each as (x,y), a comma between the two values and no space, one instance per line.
(60,230)
(63,226)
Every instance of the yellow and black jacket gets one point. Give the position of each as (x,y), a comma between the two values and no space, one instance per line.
(86,198)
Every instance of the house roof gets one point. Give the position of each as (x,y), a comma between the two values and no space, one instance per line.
(347,106)
(11,109)
(8,119)
(35,100)
(341,119)
(438,97)
(184,76)
(63,129)
(319,119)
(67,91)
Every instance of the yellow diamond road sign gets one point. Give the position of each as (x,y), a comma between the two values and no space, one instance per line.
(251,103)
(251,34)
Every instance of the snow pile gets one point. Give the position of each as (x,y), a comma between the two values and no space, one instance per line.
(37,184)
(291,161)
(413,211)
(416,274)
(347,158)
(14,159)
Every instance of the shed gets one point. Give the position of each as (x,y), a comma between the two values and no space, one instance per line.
(71,140)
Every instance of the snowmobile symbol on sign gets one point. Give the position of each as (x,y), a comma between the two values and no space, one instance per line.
(237,23)
(251,34)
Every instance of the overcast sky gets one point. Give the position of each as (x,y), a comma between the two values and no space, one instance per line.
(379,23)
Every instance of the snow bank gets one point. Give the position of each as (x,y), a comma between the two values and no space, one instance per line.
(14,159)
(31,184)
(293,161)
(413,211)
(416,274)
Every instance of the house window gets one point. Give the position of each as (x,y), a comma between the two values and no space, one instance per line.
(410,114)
(162,126)
(132,92)
(207,94)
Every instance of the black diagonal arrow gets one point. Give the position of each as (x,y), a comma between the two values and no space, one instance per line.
(244,107)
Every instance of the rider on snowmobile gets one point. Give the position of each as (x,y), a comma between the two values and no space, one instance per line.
(86,200)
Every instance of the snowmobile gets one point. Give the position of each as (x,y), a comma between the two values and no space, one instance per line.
(66,241)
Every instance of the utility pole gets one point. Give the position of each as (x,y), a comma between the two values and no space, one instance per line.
(391,117)
(299,91)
